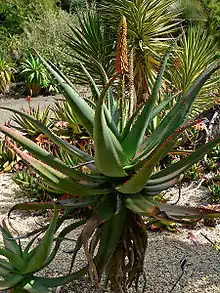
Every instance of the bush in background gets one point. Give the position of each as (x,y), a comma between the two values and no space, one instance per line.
(46,34)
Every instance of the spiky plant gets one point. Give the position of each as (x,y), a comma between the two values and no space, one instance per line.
(18,264)
(91,42)
(25,126)
(123,175)
(195,51)
(65,117)
(150,24)
(35,75)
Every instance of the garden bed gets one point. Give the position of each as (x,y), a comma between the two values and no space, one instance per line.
(165,249)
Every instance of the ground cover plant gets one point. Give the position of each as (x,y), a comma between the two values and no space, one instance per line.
(117,179)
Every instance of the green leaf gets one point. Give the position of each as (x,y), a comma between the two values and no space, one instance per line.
(167,212)
(44,247)
(130,122)
(136,134)
(106,208)
(45,156)
(9,241)
(109,155)
(60,238)
(5,268)
(139,180)
(10,281)
(177,115)
(16,260)
(110,237)
(72,150)
(94,89)
(82,111)
(162,105)
(96,93)
(54,282)
(154,189)
(76,202)
(175,170)
(56,179)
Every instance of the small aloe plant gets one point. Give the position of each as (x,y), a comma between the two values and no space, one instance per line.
(18,265)
(35,75)
(25,126)
(122,175)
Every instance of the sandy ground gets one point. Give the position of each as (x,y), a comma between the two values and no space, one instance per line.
(164,253)
(18,104)
(165,250)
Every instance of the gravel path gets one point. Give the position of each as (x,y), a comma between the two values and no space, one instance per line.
(18,104)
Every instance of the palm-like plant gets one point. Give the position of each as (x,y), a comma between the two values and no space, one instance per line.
(196,50)
(92,44)
(150,24)
(122,175)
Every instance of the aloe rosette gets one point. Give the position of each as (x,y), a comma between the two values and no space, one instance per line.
(123,175)
(18,265)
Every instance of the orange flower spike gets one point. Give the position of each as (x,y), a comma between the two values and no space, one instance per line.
(121,63)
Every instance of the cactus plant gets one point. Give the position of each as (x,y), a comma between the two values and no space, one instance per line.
(122,173)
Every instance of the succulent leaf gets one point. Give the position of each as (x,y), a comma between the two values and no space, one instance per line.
(96,93)
(109,155)
(9,242)
(111,234)
(16,260)
(10,281)
(84,113)
(148,207)
(43,249)
(176,169)
(58,141)
(136,134)
(45,156)
(139,180)
(59,181)
(177,115)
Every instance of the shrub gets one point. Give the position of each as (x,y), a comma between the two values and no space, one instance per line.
(46,34)
(5,75)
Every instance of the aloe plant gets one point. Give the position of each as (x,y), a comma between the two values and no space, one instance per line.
(65,117)
(25,126)
(17,265)
(35,75)
(121,176)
